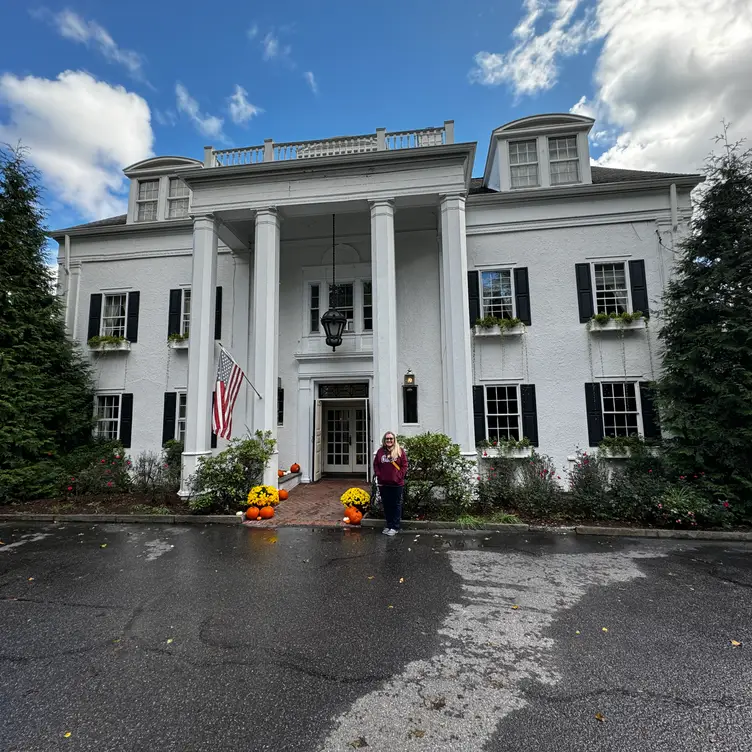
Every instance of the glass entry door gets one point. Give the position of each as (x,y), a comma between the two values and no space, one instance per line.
(346,442)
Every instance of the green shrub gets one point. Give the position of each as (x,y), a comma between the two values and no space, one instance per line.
(589,487)
(221,484)
(153,476)
(34,481)
(537,494)
(497,487)
(173,457)
(438,479)
(102,468)
(636,486)
(681,505)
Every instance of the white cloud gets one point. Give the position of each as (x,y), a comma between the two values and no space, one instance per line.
(253,31)
(207,125)
(532,64)
(311,81)
(666,75)
(165,117)
(81,134)
(72,26)
(241,110)
(271,46)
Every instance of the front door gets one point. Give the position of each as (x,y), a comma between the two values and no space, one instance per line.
(346,437)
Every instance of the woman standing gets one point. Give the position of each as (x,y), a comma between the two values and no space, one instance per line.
(389,467)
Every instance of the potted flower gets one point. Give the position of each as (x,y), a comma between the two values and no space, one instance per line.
(355,501)
(261,501)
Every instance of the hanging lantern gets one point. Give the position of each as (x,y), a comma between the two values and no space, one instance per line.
(333,321)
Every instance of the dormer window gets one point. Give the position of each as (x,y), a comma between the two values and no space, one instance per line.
(564,160)
(177,199)
(523,163)
(147,201)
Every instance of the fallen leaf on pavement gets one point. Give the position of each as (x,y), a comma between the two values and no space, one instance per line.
(604,629)
(515,607)
(390,606)
(67,734)
(31,579)
(358,743)
(103,545)
(416,733)
(402,579)
(600,717)
(169,640)
(735,643)
(371,577)
(577,632)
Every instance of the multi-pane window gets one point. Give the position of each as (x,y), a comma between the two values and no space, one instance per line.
(502,412)
(523,163)
(114,315)
(611,291)
(148,198)
(496,294)
(315,307)
(564,160)
(341,297)
(621,413)
(185,314)
(107,416)
(180,422)
(177,199)
(367,307)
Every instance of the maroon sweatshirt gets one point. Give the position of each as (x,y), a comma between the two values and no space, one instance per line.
(385,471)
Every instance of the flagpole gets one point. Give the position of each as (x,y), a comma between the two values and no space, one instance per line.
(229,355)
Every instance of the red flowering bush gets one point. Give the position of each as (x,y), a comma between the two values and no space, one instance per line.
(100,469)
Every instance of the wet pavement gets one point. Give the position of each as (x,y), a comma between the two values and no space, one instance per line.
(129,637)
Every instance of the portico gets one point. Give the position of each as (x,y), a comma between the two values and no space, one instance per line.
(247,210)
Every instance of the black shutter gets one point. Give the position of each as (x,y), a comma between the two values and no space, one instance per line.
(639,287)
(594,414)
(213,435)
(410,404)
(131,332)
(473,294)
(529,413)
(522,295)
(584,292)
(95,314)
(280,406)
(126,419)
(650,419)
(218,315)
(168,420)
(479,413)
(176,308)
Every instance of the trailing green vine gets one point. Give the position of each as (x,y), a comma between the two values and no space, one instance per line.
(105,339)
(489,322)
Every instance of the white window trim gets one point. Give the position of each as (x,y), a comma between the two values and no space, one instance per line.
(627,281)
(112,294)
(638,402)
(577,159)
(139,201)
(511,280)
(516,385)
(357,283)
(537,163)
(180,393)
(119,395)
(169,199)
(183,322)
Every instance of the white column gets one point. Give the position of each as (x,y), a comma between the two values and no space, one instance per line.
(265,363)
(385,411)
(201,374)
(455,324)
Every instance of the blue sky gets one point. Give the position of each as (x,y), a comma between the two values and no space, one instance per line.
(158,77)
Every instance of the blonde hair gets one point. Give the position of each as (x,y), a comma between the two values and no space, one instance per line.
(396,449)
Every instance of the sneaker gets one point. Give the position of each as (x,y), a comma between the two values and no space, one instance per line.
(386,531)
(391,531)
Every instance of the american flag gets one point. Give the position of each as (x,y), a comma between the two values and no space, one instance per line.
(229,378)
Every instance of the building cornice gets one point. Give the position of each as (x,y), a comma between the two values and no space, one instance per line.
(598,189)
(163,226)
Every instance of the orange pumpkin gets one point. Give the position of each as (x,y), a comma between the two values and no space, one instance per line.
(252,513)
(266,513)
(283,494)
(280,473)
(295,468)
(356,517)
(350,513)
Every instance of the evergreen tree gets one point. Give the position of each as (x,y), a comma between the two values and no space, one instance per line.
(45,387)
(706,390)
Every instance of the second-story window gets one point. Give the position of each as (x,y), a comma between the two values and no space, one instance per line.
(367,307)
(523,163)
(177,199)
(185,313)
(564,160)
(341,297)
(114,315)
(611,289)
(497,299)
(148,198)
(315,310)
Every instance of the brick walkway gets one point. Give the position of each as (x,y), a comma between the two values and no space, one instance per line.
(312,504)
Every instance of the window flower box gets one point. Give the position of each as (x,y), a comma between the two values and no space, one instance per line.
(122,346)
(499,331)
(512,453)
(177,344)
(625,322)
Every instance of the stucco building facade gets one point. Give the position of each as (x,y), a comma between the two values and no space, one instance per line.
(237,250)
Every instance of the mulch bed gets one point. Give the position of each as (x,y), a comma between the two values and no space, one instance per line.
(97,504)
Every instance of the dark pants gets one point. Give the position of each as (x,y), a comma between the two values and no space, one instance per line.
(391,498)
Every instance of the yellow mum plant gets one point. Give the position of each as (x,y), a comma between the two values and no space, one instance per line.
(263,496)
(355,497)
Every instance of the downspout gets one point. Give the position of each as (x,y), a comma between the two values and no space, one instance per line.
(66,268)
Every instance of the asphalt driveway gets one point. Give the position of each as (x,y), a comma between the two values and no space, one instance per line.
(130,637)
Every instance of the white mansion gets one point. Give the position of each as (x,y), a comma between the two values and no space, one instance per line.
(240,249)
